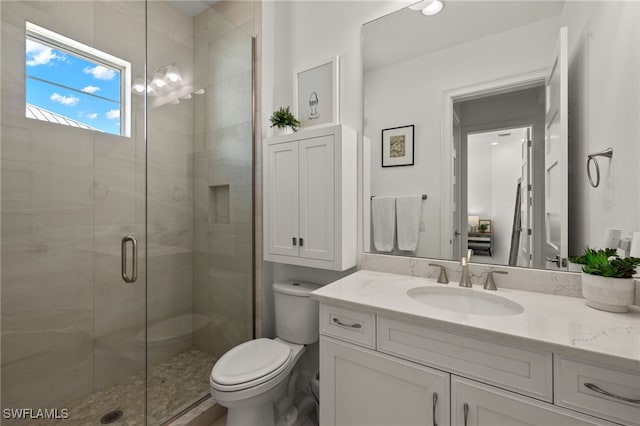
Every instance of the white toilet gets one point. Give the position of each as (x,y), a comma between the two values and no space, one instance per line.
(251,377)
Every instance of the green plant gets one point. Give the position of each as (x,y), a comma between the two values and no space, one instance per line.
(483,227)
(282,118)
(607,263)
(582,260)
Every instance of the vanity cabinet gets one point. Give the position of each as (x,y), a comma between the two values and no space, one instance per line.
(380,371)
(310,188)
(477,404)
(363,387)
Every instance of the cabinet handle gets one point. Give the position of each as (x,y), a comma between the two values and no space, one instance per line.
(340,323)
(294,241)
(604,392)
(301,242)
(435,403)
(465,409)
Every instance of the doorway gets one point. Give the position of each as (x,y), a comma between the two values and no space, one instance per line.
(500,191)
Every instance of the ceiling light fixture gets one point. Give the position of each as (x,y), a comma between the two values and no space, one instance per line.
(158,80)
(138,85)
(173,74)
(433,8)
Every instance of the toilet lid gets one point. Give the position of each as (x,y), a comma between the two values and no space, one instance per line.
(251,361)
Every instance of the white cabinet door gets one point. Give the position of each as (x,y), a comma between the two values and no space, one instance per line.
(363,387)
(282,199)
(317,195)
(476,404)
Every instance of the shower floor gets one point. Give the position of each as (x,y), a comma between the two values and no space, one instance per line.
(172,384)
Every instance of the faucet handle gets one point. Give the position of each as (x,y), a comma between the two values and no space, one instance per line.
(489,283)
(442,279)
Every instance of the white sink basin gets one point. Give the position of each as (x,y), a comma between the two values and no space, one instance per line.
(464,300)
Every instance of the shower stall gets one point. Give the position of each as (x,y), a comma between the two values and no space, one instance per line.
(168,191)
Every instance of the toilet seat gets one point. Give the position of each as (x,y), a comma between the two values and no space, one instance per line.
(250,364)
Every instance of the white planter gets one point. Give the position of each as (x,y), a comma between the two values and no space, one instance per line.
(284,130)
(575,267)
(608,294)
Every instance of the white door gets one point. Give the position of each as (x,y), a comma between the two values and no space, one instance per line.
(524,249)
(282,200)
(317,195)
(556,158)
(477,404)
(363,387)
(458,237)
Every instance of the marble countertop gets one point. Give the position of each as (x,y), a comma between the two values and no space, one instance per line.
(560,324)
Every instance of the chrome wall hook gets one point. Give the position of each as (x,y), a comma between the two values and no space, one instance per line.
(592,157)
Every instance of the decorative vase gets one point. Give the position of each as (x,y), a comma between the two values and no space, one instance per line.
(608,294)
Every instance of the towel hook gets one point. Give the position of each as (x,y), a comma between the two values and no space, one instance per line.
(592,157)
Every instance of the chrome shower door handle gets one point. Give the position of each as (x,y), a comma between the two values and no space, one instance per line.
(134,260)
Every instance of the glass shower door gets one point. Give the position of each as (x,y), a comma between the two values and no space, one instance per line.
(200,180)
(73,186)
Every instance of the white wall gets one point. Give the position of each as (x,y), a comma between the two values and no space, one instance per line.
(604,93)
(295,34)
(479,184)
(410,92)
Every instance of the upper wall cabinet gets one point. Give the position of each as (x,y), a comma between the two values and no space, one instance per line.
(310,201)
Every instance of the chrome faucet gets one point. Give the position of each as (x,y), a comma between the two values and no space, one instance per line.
(442,279)
(489,283)
(465,281)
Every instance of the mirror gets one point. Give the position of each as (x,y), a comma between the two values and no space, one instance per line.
(490,111)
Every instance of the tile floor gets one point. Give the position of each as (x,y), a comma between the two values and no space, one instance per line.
(173,384)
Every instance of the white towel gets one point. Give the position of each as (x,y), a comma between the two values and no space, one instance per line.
(383,214)
(408,211)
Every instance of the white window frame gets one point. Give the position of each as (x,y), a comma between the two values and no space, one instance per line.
(76,48)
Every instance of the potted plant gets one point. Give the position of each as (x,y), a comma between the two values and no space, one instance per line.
(483,227)
(576,263)
(284,120)
(607,279)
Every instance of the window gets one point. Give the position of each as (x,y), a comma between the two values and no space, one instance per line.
(76,85)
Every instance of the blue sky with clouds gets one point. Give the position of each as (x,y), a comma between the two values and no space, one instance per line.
(92,83)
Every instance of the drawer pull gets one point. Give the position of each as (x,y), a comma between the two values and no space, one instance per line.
(341,324)
(435,403)
(604,392)
(465,409)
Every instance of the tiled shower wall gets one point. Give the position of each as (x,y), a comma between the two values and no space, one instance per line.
(223,182)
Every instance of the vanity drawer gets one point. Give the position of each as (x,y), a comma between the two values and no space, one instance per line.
(346,324)
(523,371)
(581,386)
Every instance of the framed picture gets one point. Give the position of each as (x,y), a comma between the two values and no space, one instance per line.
(397,146)
(316,94)
(487,223)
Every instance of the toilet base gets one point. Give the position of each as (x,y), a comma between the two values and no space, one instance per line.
(261,415)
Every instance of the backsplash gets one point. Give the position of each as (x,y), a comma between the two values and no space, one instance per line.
(536,280)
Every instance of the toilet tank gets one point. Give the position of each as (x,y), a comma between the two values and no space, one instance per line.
(296,313)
